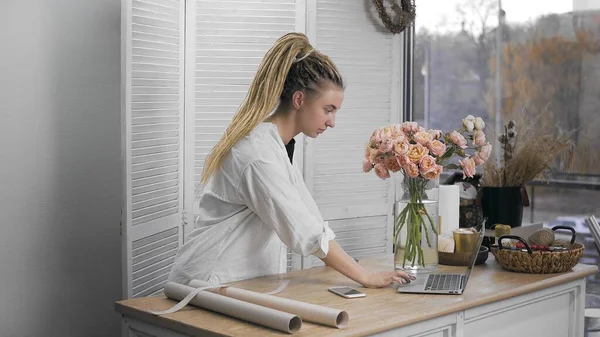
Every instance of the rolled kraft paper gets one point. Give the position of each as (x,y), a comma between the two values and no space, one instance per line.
(232,307)
(308,312)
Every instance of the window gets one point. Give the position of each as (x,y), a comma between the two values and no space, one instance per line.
(549,63)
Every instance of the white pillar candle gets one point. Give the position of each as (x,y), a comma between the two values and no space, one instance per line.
(449,209)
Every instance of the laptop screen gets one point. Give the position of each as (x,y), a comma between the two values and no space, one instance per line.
(473,257)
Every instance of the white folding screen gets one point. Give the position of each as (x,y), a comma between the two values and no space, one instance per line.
(187,66)
(358,206)
(152,140)
(227,41)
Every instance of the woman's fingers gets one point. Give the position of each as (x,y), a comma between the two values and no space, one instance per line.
(405,275)
(384,279)
(402,277)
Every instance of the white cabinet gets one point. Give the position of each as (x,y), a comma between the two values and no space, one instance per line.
(551,312)
(555,311)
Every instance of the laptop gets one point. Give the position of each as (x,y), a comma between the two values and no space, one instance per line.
(443,283)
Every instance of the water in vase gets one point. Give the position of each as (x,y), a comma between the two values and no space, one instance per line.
(419,232)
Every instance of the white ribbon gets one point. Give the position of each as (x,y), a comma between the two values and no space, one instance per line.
(279,289)
(184,301)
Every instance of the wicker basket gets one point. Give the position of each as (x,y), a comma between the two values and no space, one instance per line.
(538,262)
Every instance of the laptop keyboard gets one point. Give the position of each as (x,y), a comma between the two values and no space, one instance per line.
(437,282)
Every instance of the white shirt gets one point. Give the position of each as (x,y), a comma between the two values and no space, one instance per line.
(254,206)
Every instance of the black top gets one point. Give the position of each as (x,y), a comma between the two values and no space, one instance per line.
(290,149)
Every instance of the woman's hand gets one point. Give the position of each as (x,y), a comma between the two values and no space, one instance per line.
(384,279)
(343,263)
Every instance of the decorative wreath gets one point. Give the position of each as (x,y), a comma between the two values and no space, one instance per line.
(404,14)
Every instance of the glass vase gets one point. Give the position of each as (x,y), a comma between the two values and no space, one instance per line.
(416,226)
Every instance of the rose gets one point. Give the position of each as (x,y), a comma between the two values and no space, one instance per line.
(479,138)
(468,167)
(423,137)
(368,151)
(381,171)
(401,148)
(484,152)
(479,123)
(478,161)
(386,144)
(435,134)
(458,139)
(396,131)
(427,163)
(387,132)
(434,172)
(468,124)
(437,148)
(409,127)
(375,157)
(367,166)
(376,137)
(399,138)
(411,169)
(403,160)
(392,164)
(416,152)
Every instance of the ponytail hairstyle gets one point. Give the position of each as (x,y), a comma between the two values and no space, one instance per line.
(290,65)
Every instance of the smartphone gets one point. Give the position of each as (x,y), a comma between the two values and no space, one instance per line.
(347,292)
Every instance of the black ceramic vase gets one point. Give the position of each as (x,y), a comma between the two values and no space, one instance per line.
(502,205)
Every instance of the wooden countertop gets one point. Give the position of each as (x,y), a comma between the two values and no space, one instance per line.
(382,309)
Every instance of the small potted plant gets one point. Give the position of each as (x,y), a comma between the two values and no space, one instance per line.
(525,155)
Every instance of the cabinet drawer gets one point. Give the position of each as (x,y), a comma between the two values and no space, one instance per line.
(549,317)
(444,326)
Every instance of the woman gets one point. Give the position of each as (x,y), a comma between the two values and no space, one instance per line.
(254,203)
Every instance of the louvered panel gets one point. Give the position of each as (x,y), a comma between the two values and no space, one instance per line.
(360,237)
(360,180)
(249,13)
(254,25)
(169,186)
(255,17)
(153,62)
(357,205)
(236,62)
(344,200)
(152,258)
(156,149)
(232,37)
(155,30)
(364,57)
(241,5)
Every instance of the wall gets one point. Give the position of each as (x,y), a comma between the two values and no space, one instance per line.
(60,177)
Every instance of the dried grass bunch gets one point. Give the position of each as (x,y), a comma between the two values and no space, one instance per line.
(527,154)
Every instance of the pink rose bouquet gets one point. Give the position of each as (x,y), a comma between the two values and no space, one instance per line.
(421,155)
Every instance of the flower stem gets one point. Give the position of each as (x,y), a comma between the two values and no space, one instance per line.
(417,219)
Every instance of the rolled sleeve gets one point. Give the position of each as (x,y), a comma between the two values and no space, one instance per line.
(322,248)
(267,190)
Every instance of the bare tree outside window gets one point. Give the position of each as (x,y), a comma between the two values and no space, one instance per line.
(522,60)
